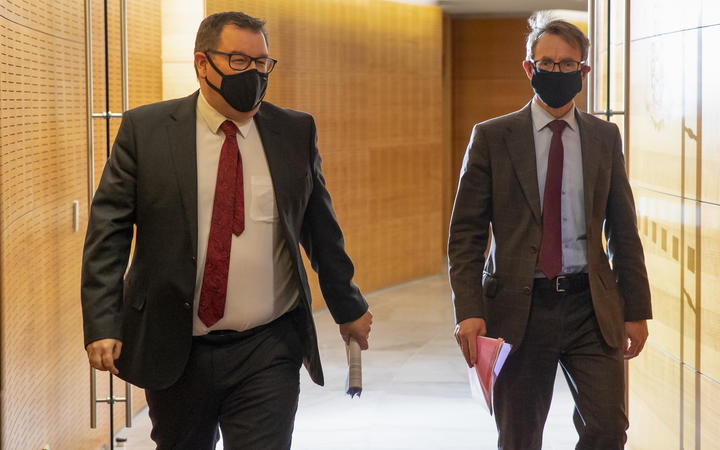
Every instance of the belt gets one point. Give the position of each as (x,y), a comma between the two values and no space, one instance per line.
(225,336)
(570,284)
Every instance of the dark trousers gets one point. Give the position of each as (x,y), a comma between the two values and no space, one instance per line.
(245,383)
(562,329)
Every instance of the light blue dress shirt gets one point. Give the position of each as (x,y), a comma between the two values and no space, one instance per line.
(572,203)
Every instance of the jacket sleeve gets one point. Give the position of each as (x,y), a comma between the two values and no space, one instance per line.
(469,229)
(623,242)
(322,239)
(108,240)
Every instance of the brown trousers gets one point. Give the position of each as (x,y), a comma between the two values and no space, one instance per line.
(562,329)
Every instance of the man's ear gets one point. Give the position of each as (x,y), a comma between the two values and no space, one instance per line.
(585,70)
(528,67)
(200,61)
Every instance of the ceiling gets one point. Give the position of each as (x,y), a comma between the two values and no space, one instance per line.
(501,7)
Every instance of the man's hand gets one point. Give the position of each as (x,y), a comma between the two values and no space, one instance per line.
(358,329)
(636,334)
(466,333)
(103,353)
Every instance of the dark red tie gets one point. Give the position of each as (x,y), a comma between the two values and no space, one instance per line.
(228,218)
(550,258)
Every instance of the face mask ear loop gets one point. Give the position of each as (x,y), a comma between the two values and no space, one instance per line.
(216,70)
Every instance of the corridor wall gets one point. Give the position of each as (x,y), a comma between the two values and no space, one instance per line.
(371,74)
(674,163)
(487,77)
(43,169)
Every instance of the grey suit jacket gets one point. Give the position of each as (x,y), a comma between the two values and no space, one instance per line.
(150,182)
(498,200)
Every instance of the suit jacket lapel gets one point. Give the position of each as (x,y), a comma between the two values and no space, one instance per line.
(273,143)
(590,162)
(182,137)
(521,148)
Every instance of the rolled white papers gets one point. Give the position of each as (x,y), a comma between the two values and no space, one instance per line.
(353,383)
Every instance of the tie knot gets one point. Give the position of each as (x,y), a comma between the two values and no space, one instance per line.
(229,128)
(557,126)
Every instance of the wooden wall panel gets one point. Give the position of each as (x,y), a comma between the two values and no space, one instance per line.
(43,168)
(659,224)
(371,74)
(709,279)
(710,113)
(488,79)
(674,143)
(655,397)
(656,110)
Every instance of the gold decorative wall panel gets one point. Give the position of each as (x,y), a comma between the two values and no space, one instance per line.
(43,169)
(370,73)
(674,147)
(488,78)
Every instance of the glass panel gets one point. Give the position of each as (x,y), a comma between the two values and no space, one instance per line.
(610,40)
(617,55)
(600,55)
(619,120)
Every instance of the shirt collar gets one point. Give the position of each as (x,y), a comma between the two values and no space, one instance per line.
(213,119)
(541,117)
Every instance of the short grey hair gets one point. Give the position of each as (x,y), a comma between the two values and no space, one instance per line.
(542,22)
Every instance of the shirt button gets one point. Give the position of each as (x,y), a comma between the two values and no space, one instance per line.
(187,305)
(527,290)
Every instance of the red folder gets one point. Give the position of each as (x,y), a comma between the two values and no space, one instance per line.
(491,355)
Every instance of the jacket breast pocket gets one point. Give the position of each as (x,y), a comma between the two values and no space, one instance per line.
(263,207)
(489,285)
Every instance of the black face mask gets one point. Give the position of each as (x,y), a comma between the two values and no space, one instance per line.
(556,89)
(243,91)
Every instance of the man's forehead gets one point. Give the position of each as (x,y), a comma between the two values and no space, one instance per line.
(236,39)
(552,45)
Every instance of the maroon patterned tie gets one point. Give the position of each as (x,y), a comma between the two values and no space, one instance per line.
(228,218)
(550,258)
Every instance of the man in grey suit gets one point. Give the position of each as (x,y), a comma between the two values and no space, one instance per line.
(542,184)
(213,317)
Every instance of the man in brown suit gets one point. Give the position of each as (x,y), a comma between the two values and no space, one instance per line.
(542,184)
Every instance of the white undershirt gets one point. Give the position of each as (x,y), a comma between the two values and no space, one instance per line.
(260,287)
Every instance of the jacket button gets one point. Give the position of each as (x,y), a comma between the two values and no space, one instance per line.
(527,290)
(187,305)
(533,249)
(194,258)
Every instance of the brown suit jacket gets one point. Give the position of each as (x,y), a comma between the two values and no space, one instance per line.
(498,198)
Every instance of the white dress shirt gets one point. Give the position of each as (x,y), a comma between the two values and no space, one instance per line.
(260,286)
(572,203)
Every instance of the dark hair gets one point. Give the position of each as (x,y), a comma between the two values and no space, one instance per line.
(210,28)
(208,33)
(541,23)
